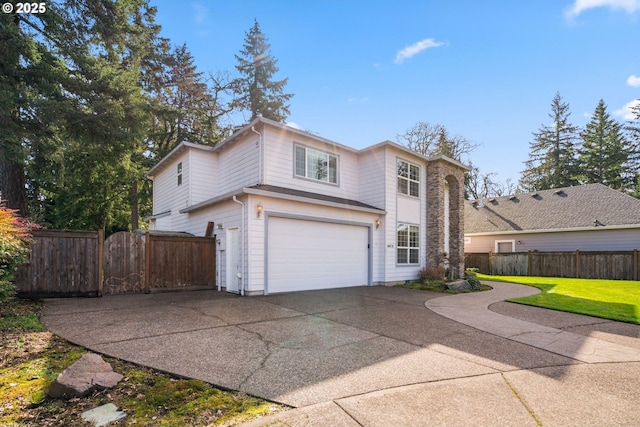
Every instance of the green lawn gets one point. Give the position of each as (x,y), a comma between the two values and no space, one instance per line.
(609,299)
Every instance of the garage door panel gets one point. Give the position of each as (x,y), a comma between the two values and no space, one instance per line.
(304,255)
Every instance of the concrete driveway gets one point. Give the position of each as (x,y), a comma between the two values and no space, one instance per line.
(372,355)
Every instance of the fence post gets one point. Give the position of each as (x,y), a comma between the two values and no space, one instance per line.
(635,265)
(577,263)
(100,261)
(490,263)
(147,262)
(529,263)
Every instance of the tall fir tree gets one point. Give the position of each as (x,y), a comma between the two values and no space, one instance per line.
(552,153)
(258,92)
(604,154)
(633,129)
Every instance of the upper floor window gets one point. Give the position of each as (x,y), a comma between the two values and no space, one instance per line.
(408,178)
(179,171)
(316,165)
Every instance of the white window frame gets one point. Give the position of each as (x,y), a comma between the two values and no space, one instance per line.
(331,179)
(411,247)
(179,173)
(411,184)
(497,242)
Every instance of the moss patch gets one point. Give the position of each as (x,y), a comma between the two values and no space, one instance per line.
(31,360)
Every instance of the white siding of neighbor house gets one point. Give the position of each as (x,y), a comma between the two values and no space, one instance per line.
(279,165)
(589,240)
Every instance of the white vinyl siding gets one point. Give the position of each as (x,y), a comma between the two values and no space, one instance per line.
(408,243)
(280,165)
(315,164)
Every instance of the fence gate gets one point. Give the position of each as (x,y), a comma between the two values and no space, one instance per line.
(124,263)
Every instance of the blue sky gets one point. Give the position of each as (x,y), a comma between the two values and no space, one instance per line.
(365,71)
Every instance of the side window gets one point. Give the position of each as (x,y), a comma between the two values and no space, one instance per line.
(408,179)
(179,173)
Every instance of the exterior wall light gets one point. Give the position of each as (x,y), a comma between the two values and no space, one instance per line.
(378,222)
(258,210)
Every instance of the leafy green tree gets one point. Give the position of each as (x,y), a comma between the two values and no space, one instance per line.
(31,101)
(258,92)
(604,154)
(552,153)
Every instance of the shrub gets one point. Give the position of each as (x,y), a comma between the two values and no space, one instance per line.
(15,237)
(470,276)
(432,273)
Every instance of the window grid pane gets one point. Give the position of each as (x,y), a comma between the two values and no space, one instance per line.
(300,161)
(408,244)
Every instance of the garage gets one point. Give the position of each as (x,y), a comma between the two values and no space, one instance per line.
(304,254)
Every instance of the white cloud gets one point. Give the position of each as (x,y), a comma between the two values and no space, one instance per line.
(625,112)
(579,6)
(414,49)
(201,13)
(351,100)
(633,81)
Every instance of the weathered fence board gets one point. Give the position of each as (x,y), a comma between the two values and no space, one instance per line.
(621,265)
(177,262)
(61,263)
(83,264)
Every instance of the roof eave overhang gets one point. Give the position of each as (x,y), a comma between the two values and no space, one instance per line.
(275,195)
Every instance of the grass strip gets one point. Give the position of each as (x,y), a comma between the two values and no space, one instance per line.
(609,299)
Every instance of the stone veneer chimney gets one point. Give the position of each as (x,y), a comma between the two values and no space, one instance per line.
(441,171)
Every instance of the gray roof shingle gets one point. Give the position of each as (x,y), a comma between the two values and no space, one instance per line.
(563,208)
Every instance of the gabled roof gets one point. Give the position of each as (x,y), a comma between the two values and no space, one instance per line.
(585,206)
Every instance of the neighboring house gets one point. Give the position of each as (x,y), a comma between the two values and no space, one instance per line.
(294,211)
(590,217)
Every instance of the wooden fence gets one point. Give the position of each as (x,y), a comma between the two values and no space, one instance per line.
(621,265)
(66,263)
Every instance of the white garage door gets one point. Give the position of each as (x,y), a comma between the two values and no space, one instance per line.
(305,255)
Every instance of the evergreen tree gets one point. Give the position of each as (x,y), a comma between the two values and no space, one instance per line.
(258,93)
(633,129)
(551,161)
(604,154)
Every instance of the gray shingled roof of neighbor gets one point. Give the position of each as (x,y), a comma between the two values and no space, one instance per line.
(582,206)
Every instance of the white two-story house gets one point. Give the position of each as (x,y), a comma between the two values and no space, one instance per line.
(293,211)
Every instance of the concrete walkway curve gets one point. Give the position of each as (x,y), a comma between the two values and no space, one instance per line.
(472,309)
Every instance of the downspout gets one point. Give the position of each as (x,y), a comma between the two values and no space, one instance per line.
(240,275)
(260,154)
